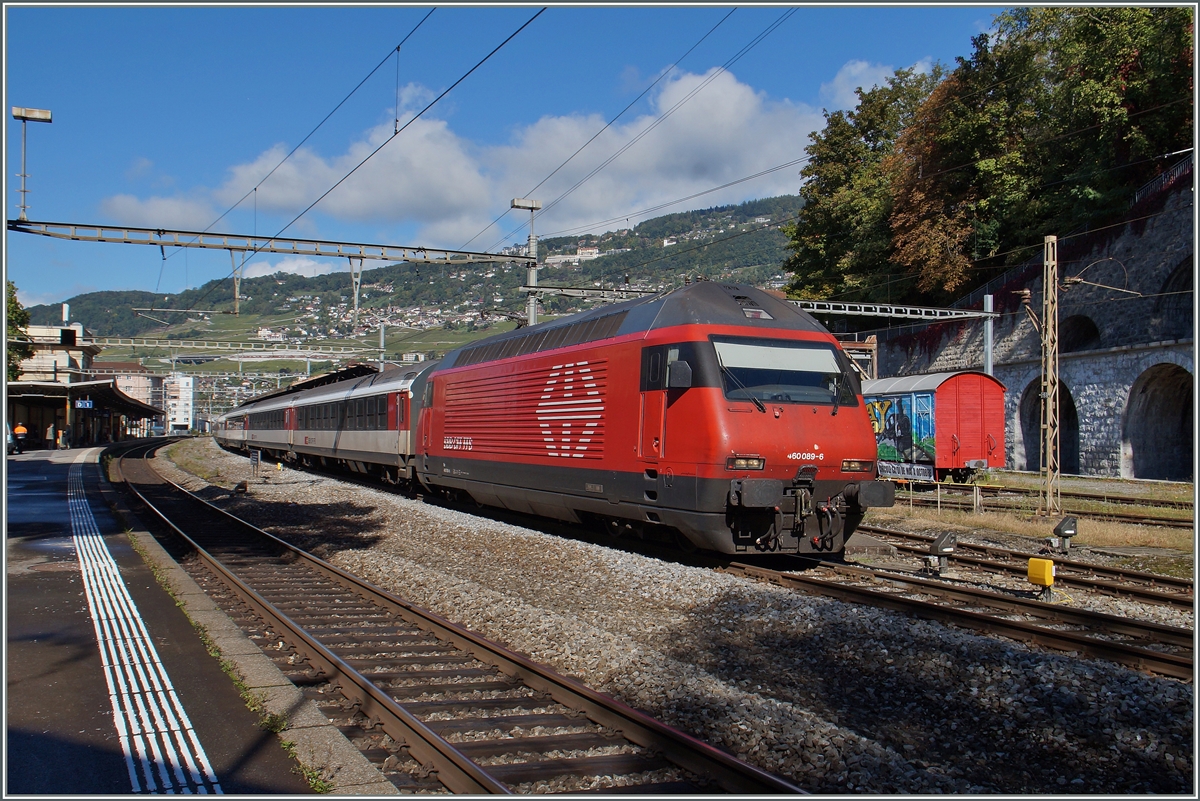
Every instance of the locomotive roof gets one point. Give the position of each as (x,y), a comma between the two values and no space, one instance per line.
(701,303)
(926,382)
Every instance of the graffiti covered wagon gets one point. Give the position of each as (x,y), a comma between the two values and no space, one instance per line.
(937,425)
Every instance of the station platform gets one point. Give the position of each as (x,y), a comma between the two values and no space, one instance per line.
(110,689)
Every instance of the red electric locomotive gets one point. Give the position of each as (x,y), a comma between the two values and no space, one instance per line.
(715,411)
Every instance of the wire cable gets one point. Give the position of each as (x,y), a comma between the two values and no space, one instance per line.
(390,138)
(396,51)
(607,125)
(659,207)
(661,119)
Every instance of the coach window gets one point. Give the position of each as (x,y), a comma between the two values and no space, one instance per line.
(358,414)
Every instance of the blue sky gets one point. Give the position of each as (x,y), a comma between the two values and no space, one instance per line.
(165,117)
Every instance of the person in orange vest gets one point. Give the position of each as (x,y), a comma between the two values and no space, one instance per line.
(19,433)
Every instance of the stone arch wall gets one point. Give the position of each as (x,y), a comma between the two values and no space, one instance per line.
(1078,332)
(1030,421)
(1156,428)
(1153,256)
(1099,383)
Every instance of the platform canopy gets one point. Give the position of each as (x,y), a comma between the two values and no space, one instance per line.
(102,394)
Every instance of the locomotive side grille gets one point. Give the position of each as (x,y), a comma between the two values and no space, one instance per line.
(555,411)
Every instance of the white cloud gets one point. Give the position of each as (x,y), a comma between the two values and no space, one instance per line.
(297,265)
(855,74)
(425,174)
(451,188)
(182,213)
(724,132)
(140,168)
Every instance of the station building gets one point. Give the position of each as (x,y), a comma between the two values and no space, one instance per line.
(60,400)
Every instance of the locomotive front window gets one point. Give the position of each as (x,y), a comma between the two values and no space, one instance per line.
(772,371)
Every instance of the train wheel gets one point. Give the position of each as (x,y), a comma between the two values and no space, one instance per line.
(612,528)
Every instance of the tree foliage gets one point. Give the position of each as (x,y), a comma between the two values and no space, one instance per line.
(16,320)
(842,243)
(1050,124)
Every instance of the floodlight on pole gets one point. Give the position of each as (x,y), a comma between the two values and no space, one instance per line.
(531,278)
(26,115)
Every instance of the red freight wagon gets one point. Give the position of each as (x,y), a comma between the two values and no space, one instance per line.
(937,425)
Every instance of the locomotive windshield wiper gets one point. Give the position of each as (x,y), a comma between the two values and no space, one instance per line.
(837,391)
(757,403)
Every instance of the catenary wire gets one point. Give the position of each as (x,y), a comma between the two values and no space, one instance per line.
(414,118)
(661,119)
(607,125)
(659,207)
(394,51)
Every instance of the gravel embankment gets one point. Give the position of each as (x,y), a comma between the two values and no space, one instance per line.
(838,698)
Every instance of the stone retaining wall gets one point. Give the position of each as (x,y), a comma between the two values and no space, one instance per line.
(1125,340)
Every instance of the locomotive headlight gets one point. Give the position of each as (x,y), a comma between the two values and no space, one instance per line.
(857,465)
(745,463)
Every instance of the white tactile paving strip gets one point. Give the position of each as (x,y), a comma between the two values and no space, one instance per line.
(162,752)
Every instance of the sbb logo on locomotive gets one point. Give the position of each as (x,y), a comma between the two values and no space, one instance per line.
(569,410)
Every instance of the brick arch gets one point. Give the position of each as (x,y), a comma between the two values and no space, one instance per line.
(1156,428)
(1029,416)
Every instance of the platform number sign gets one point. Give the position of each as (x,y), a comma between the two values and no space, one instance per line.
(83,404)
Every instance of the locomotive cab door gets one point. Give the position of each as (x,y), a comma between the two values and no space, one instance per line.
(653,404)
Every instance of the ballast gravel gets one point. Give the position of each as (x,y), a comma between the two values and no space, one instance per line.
(835,697)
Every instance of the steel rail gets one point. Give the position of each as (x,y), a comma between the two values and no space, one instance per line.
(1055,613)
(463,775)
(1103,497)
(1124,517)
(455,771)
(1173,665)
(1110,587)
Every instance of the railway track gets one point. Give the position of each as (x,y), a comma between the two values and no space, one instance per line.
(448,709)
(1113,581)
(1017,499)
(1099,497)
(1167,650)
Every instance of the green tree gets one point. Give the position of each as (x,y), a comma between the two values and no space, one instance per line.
(17,319)
(1051,124)
(841,245)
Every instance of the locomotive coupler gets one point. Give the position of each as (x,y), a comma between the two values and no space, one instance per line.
(830,524)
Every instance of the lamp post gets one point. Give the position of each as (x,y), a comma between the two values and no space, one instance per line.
(25,115)
(533,206)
